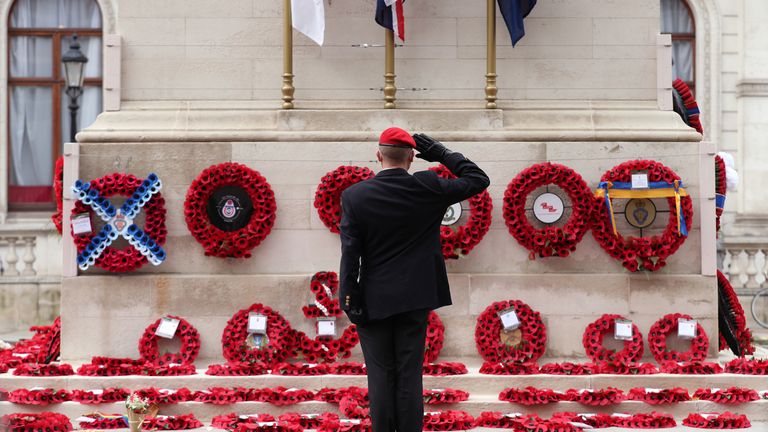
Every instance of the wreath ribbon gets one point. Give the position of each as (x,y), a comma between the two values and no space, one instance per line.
(720,201)
(608,190)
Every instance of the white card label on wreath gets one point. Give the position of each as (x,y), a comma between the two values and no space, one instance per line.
(81,224)
(639,180)
(257,323)
(623,330)
(326,327)
(167,327)
(509,319)
(686,329)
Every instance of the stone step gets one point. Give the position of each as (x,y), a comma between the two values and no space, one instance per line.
(756,411)
(473,382)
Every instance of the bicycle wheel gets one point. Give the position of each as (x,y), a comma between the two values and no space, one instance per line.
(758,308)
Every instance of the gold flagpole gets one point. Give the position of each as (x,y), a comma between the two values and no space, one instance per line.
(389,70)
(490,78)
(288,88)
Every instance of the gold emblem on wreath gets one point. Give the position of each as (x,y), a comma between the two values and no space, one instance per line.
(640,212)
(256,341)
(511,338)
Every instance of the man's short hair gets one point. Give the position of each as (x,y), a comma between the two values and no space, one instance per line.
(395,154)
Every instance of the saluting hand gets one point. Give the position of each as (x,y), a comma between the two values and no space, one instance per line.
(430,149)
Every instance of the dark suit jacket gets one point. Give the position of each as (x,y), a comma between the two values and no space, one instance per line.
(390,236)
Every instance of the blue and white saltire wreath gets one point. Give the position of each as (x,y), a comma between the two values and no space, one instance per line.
(119,222)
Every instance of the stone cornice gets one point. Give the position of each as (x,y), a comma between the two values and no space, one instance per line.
(753,88)
(243,121)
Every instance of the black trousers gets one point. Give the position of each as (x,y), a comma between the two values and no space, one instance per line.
(394,354)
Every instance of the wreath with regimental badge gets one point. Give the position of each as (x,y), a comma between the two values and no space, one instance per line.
(277,343)
(459,242)
(525,344)
(642,253)
(230,209)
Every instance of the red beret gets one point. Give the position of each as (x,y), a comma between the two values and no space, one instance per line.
(397,137)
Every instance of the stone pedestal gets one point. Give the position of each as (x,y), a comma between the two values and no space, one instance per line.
(104,314)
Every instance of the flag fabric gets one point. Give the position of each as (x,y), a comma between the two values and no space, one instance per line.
(389,14)
(513,12)
(309,18)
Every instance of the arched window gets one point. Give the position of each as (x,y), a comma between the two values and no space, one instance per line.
(677,20)
(39,32)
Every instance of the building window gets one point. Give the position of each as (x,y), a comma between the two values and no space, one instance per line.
(39,32)
(677,20)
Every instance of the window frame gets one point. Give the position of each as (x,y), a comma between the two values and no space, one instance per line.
(691,38)
(56,83)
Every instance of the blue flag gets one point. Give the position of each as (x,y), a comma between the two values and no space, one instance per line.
(514,11)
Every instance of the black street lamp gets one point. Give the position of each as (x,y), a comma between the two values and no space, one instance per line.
(74,70)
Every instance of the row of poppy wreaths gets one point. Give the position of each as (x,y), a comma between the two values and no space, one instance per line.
(528,343)
(609,396)
(279,396)
(449,420)
(635,253)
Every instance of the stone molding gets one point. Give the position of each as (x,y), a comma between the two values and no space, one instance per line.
(752,88)
(538,121)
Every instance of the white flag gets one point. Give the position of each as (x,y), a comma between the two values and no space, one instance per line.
(309,18)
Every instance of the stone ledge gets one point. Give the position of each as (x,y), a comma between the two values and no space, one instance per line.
(223,122)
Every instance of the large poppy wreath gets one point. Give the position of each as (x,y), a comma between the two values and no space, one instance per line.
(525,344)
(258,215)
(550,240)
(642,253)
(279,342)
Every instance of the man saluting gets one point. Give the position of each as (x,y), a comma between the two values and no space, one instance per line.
(392,267)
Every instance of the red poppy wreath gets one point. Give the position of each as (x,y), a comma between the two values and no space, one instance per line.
(721,189)
(461,241)
(325,285)
(550,240)
(36,422)
(230,209)
(657,340)
(58,192)
(190,344)
(524,344)
(328,195)
(642,253)
(129,258)
(593,341)
(278,343)
(743,333)
(435,337)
